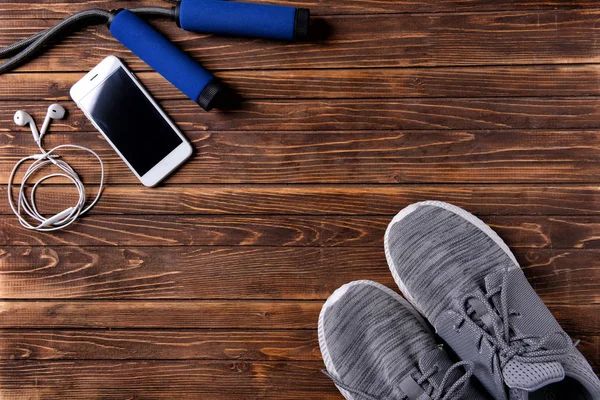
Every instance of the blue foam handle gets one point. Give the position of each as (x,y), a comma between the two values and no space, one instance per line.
(160,54)
(243,19)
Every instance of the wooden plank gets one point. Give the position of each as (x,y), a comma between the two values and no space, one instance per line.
(559,276)
(13,9)
(512,156)
(586,332)
(290,345)
(243,314)
(206,231)
(287,231)
(386,200)
(355,115)
(553,232)
(494,38)
(226,315)
(516,81)
(590,348)
(190,379)
(239,305)
(161,379)
(211,231)
(207,273)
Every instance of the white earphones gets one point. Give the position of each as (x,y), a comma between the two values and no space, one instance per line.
(22,118)
(27,206)
(55,112)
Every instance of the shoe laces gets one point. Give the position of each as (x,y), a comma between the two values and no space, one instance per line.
(495,326)
(454,392)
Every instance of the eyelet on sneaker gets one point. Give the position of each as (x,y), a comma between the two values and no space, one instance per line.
(480,345)
(458,325)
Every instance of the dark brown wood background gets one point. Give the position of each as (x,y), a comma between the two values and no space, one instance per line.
(209,287)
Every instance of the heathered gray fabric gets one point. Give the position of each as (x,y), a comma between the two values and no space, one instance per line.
(439,256)
(469,288)
(373,341)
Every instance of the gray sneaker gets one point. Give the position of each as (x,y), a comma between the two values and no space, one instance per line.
(376,346)
(462,277)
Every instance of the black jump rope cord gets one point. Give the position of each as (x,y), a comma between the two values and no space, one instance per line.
(27,48)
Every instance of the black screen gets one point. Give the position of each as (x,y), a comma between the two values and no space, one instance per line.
(131,122)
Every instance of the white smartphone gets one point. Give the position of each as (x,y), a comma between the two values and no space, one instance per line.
(122,110)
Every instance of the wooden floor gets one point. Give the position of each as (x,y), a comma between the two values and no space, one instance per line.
(210,286)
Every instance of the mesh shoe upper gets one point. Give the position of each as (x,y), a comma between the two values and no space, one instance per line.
(464,279)
(376,346)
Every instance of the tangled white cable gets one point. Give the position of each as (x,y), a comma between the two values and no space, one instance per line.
(27,206)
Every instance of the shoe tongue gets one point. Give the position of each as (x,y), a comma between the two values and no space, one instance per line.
(529,377)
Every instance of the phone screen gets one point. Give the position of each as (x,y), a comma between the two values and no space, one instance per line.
(131,121)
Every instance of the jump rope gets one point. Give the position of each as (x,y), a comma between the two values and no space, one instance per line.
(208,16)
(127,26)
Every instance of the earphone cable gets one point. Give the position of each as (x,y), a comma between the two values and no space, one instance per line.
(27,206)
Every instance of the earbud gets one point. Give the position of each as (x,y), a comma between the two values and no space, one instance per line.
(22,118)
(55,111)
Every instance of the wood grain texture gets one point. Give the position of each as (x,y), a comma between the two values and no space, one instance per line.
(241,314)
(494,38)
(206,231)
(590,346)
(349,157)
(355,115)
(210,286)
(296,345)
(285,231)
(363,200)
(288,345)
(13,9)
(559,276)
(161,379)
(493,81)
(225,315)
